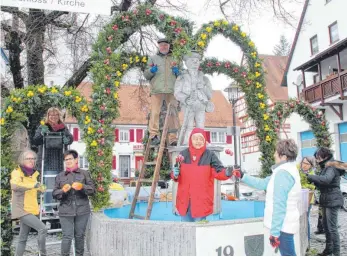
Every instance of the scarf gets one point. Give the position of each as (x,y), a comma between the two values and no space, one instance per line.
(27,171)
(195,154)
(73,169)
(57,127)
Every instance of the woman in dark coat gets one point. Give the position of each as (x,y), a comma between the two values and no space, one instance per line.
(53,157)
(331,199)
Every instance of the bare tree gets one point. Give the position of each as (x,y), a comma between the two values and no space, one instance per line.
(241,11)
(283,47)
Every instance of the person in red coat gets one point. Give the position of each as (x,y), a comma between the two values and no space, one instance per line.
(195,176)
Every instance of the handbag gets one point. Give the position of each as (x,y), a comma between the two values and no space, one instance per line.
(54,140)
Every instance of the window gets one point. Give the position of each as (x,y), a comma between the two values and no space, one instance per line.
(83,162)
(218,137)
(124,166)
(51,69)
(314,45)
(333,33)
(124,136)
(308,143)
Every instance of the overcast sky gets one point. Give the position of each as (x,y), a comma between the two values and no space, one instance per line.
(264,30)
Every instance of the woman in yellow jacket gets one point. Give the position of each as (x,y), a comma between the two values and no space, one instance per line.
(25,187)
(307,166)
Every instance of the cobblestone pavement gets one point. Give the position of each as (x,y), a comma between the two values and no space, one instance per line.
(317,241)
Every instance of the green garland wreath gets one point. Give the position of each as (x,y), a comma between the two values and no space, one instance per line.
(16,108)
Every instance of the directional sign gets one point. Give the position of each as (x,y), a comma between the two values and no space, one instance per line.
(83,6)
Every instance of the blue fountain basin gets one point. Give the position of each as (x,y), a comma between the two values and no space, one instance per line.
(231,210)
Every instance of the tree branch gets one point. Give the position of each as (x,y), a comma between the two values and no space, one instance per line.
(54,15)
(15,11)
(61,24)
(8,28)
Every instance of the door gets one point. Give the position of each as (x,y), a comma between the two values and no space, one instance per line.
(124,166)
(308,143)
(139,162)
(343,141)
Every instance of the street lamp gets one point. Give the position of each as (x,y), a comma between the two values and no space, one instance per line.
(233,96)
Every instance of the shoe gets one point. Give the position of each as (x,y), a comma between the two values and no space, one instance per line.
(155,140)
(319,232)
(174,143)
(325,253)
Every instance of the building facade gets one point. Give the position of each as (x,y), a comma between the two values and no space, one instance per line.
(274,67)
(317,72)
(130,128)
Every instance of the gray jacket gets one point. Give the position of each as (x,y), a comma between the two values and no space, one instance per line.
(163,81)
(73,202)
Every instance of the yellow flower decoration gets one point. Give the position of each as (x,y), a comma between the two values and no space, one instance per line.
(254,54)
(243,34)
(67,93)
(137,59)
(94,143)
(265,116)
(54,90)
(268,138)
(2,122)
(30,93)
(42,90)
(118,73)
(84,108)
(42,122)
(144,59)
(124,66)
(131,60)
(266,127)
(208,29)
(203,36)
(262,105)
(260,95)
(251,44)
(115,95)
(257,74)
(225,22)
(90,130)
(257,64)
(216,24)
(78,99)
(19,100)
(235,28)
(87,120)
(201,43)
(9,109)
(116,83)
(258,85)
(13,99)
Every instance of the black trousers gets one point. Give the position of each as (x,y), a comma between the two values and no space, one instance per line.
(331,231)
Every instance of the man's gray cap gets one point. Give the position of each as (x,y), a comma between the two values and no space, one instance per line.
(163,40)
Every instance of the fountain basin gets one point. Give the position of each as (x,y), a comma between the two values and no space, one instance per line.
(238,230)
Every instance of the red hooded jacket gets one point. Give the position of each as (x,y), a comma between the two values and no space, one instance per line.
(196,179)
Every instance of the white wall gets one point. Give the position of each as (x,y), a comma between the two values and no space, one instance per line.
(319,16)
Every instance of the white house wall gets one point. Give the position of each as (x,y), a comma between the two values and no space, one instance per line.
(319,16)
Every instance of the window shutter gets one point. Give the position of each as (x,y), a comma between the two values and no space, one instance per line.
(75,134)
(208,136)
(116,135)
(114,162)
(229,139)
(139,135)
(131,135)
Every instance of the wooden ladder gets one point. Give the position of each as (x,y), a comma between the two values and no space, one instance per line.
(157,164)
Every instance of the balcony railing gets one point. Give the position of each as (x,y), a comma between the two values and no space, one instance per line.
(331,86)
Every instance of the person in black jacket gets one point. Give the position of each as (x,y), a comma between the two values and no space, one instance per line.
(72,188)
(331,199)
(53,159)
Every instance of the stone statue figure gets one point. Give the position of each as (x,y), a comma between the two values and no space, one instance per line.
(194,91)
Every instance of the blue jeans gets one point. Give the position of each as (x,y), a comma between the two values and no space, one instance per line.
(287,247)
(188,217)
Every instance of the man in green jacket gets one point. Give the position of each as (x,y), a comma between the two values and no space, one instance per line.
(162,72)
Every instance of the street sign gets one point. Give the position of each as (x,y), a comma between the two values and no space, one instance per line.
(83,6)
